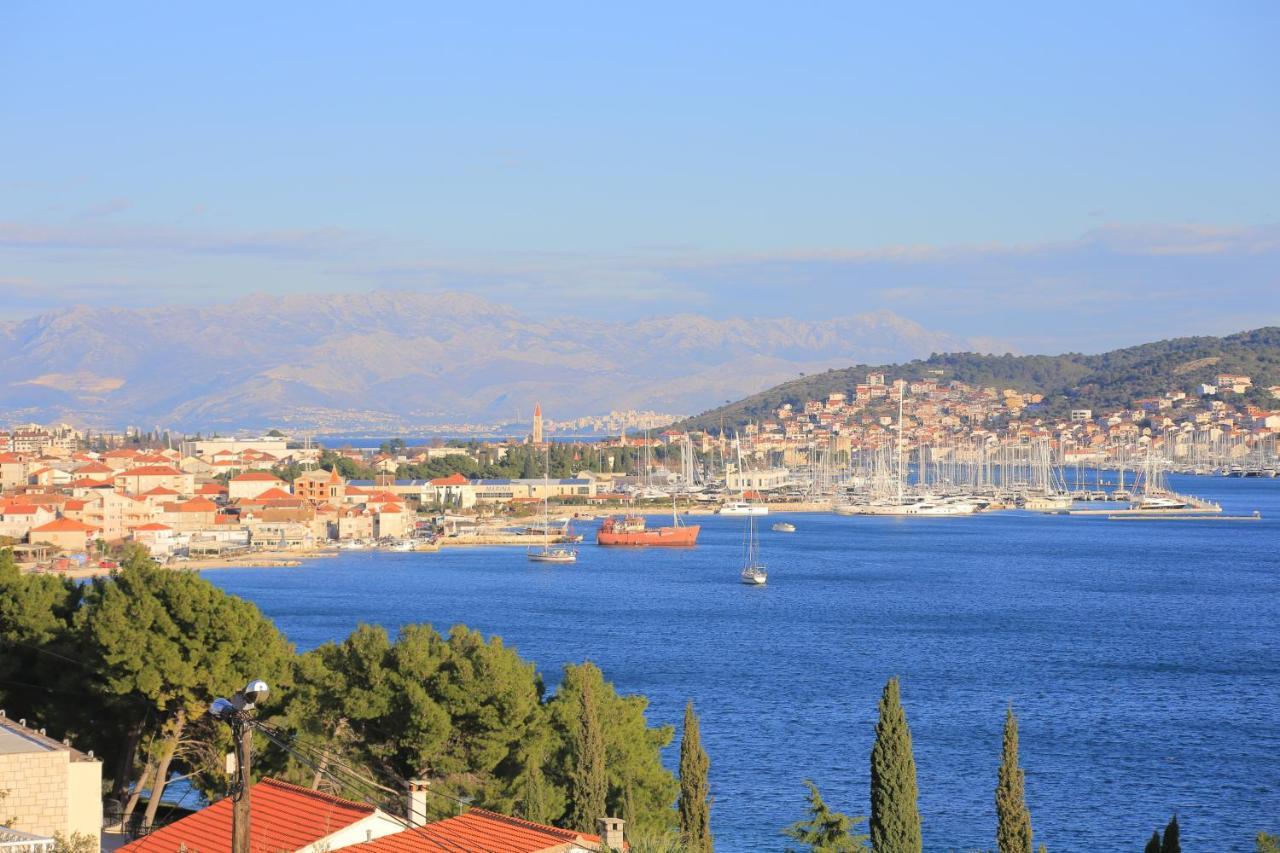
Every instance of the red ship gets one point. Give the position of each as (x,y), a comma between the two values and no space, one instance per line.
(631,530)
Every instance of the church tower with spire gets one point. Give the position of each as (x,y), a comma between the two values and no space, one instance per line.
(537,423)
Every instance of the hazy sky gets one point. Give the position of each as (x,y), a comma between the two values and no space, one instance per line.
(1074,177)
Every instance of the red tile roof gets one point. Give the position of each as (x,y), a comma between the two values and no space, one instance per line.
(285,818)
(451,480)
(249,476)
(151,471)
(64,525)
(274,494)
(197,505)
(478,830)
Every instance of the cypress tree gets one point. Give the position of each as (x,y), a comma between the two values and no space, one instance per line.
(695,806)
(895,820)
(1171,843)
(1013,829)
(1153,846)
(588,787)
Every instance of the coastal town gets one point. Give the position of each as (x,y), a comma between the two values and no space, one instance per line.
(70,497)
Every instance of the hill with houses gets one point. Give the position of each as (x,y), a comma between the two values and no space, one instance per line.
(1195,365)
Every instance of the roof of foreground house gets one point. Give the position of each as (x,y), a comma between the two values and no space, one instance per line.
(285,818)
(481,830)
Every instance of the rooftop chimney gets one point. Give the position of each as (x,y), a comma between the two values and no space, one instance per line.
(610,830)
(418,802)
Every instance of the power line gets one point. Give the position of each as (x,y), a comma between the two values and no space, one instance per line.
(449,848)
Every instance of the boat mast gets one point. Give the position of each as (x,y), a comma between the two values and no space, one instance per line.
(901,472)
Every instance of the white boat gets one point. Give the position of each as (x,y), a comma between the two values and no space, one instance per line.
(784,527)
(547,554)
(753,571)
(742,508)
(402,545)
(351,545)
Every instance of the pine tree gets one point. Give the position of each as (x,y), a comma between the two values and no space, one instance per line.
(895,820)
(826,831)
(1171,843)
(1153,846)
(1267,843)
(694,804)
(1013,829)
(588,787)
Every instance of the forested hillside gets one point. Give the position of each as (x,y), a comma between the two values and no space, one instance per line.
(1072,380)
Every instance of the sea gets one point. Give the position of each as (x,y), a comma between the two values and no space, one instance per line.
(1142,658)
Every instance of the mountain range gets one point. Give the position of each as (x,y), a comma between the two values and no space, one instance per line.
(396,359)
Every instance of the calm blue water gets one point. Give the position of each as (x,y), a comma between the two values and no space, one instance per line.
(1143,659)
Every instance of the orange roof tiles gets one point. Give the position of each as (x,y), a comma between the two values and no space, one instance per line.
(452,480)
(250,476)
(197,505)
(64,525)
(478,829)
(151,471)
(274,494)
(285,817)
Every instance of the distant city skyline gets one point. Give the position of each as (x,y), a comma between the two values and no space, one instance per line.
(1086,178)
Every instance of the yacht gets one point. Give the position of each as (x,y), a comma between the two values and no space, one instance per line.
(547,554)
(753,571)
(742,508)
(784,527)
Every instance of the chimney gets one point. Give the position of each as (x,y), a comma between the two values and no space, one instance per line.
(610,830)
(418,802)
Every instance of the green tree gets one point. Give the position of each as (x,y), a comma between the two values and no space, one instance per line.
(1171,842)
(1267,843)
(175,641)
(1153,846)
(826,831)
(588,788)
(1013,829)
(641,789)
(695,800)
(895,820)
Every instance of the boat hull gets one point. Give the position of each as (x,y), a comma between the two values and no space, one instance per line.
(672,537)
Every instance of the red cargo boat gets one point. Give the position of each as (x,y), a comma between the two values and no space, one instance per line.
(632,530)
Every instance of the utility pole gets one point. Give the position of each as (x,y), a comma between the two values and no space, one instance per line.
(235,712)
(243,733)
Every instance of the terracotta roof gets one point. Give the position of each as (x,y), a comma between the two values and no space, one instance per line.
(20,509)
(478,829)
(390,508)
(451,480)
(8,456)
(159,491)
(274,494)
(212,489)
(249,476)
(86,483)
(95,468)
(197,505)
(285,817)
(155,525)
(64,525)
(151,471)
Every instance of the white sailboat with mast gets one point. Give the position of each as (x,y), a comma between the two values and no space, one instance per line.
(547,554)
(753,571)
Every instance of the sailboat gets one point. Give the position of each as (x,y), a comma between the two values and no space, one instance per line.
(753,571)
(547,554)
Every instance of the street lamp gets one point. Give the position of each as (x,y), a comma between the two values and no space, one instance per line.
(235,712)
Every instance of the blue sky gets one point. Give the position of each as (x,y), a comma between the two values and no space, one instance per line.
(1074,177)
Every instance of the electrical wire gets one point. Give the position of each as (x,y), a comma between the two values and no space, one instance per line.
(306,761)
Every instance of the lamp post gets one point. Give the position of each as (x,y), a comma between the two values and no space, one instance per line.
(235,712)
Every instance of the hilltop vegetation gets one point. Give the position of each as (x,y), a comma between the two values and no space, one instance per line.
(1072,380)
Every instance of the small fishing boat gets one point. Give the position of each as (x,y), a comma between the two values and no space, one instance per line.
(784,527)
